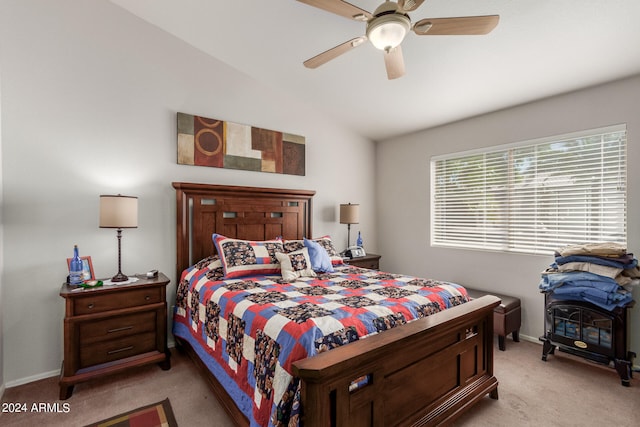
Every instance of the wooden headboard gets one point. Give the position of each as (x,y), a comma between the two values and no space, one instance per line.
(249,213)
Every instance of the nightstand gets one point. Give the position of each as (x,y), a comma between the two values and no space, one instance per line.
(112,328)
(371,261)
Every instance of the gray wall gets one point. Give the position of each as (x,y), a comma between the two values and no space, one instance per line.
(403,189)
(89,101)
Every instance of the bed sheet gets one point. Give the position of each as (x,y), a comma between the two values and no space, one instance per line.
(249,331)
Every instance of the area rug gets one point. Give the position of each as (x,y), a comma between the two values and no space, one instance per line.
(155,415)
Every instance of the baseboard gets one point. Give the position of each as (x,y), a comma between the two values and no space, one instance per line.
(530,339)
(21,381)
(32,378)
(635,367)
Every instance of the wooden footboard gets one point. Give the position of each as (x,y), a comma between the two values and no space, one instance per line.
(424,373)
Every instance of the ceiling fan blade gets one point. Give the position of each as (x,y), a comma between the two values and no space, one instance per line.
(409,5)
(466,25)
(334,52)
(394,62)
(341,8)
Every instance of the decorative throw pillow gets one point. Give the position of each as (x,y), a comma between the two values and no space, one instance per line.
(295,264)
(320,261)
(324,241)
(247,257)
(327,244)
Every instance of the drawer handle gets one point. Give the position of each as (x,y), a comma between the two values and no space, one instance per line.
(124,328)
(90,306)
(147,298)
(120,350)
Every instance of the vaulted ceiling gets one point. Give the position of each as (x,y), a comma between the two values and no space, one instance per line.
(540,48)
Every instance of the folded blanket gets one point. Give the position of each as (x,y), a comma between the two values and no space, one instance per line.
(601,270)
(627,261)
(609,249)
(607,301)
(551,280)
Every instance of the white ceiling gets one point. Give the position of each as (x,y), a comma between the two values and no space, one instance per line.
(540,48)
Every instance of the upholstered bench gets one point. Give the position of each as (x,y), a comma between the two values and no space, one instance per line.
(506,316)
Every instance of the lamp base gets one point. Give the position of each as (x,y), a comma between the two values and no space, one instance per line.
(119,277)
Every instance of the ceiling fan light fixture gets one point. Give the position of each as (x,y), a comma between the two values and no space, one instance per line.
(388,31)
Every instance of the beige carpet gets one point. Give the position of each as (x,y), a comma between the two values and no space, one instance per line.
(192,402)
(564,391)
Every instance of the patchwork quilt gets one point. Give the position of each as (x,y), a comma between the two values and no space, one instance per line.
(248,331)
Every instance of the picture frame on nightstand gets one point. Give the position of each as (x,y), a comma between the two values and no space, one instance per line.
(87,268)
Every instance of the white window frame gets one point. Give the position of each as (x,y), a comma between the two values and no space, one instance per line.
(537,202)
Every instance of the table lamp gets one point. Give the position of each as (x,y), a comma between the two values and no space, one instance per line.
(349,214)
(118,212)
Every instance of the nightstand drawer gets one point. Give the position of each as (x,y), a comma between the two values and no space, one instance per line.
(129,298)
(117,327)
(108,351)
(372,264)
(371,261)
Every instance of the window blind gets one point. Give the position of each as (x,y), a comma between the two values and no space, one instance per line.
(534,196)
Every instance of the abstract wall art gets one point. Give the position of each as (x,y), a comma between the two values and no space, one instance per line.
(222,144)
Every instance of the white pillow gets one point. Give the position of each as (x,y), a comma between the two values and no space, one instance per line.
(295,264)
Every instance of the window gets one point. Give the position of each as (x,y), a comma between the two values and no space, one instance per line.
(532,197)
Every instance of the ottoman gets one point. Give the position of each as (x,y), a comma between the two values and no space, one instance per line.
(506,316)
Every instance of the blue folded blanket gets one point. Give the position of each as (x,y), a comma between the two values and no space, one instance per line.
(608,301)
(551,281)
(623,263)
(585,286)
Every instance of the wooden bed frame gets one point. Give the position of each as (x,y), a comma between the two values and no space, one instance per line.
(427,372)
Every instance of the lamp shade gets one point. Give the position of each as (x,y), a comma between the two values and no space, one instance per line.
(349,214)
(118,211)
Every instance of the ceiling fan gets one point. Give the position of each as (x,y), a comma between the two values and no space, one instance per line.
(388,25)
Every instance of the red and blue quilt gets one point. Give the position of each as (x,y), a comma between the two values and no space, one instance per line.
(248,331)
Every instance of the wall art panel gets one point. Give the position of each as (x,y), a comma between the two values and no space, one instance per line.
(216,143)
